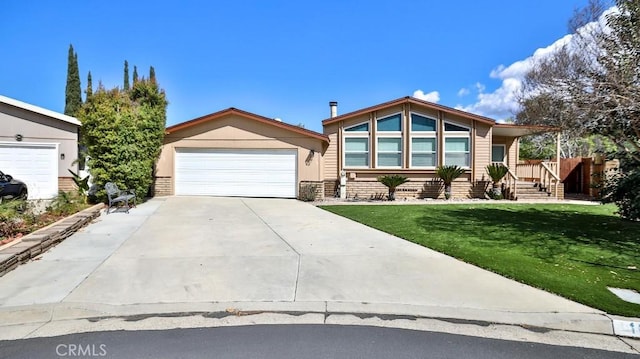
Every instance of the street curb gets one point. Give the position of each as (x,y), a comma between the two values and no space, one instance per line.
(28,247)
(56,319)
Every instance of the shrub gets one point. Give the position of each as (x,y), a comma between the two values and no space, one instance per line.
(308,192)
(392,182)
(448,174)
(66,203)
(622,187)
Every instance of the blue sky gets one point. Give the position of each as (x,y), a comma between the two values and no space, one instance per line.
(284,59)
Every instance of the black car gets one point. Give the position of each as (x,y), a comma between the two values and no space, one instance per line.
(11,188)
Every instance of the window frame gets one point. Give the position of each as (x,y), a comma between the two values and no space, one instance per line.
(390,134)
(356,134)
(504,153)
(422,134)
(456,134)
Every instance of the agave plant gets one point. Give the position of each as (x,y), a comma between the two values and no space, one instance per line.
(448,174)
(496,171)
(392,182)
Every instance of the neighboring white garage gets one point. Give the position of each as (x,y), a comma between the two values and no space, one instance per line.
(236,172)
(38,146)
(34,164)
(240,154)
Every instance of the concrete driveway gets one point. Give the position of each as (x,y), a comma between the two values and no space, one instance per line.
(182,253)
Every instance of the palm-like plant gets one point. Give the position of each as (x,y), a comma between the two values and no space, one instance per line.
(496,171)
(392,182)
(448,174)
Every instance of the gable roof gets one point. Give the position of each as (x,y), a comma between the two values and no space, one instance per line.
(410,100)
(248,115)
(39,110)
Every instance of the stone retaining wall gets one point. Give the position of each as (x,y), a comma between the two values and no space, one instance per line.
(41,240)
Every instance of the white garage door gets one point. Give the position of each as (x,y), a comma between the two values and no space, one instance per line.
(34,164)
(237,173)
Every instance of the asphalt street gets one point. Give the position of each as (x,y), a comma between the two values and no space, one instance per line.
(288,341)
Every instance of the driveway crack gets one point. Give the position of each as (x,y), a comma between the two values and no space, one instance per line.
(299,256)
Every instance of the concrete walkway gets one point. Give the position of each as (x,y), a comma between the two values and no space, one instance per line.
(179,256)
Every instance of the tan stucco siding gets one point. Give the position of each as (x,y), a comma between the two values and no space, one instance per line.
(482,150)
(38,128)
(235,132)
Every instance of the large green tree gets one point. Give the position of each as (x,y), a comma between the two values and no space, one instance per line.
(123,132)
(126,75)
(89,90)
(73,91)
(591,86)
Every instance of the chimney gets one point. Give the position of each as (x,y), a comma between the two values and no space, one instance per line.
(333,105)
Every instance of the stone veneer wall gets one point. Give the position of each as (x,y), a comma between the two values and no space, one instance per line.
(424,189)
(162,186)
(320,190)
(66,184)
(330,188)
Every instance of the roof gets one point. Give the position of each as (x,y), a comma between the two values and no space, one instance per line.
(231,110)
(410,100)
(513,130)
(40,110)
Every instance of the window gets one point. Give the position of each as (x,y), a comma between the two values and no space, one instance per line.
(456,145)
(390,124)
(389,152)
(422,124)
(389,141)
(497,153)
(356,145)
(356,152)
(424,143)
(423,152)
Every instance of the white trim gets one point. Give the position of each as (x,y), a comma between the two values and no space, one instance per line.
(423,134)
(385,135)
(425,116)
(40,110)
(344,149)
(457,134)
(387,116)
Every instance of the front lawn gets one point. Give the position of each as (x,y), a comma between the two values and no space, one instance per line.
(575,251)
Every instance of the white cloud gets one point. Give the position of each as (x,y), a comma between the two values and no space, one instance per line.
(463,92)
(433,96)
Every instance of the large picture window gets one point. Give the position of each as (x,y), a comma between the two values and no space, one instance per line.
(389,141)
(356,146)
(424,141)
(457,145)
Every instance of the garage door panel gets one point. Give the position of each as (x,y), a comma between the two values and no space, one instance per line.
(243,173)
(34,164)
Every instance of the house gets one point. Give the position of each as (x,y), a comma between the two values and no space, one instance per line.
(237,153)
(38,146)
(411,137)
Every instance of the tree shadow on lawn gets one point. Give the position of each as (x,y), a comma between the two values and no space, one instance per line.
(544,233)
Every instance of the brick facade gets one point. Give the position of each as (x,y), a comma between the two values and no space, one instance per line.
(66,184)
(319,189)
(424,189)
(162,186)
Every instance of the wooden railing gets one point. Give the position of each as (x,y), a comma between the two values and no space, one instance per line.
(511,184)
(544,173)
(549,177)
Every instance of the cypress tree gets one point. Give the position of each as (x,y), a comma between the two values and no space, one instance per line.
(89,91)
(135,74)
(152,74)
(73,92)
(126,75)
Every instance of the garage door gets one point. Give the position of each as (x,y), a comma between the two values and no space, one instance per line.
(34,164)
(238,173)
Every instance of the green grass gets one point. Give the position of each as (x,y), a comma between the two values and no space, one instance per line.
(575,251)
